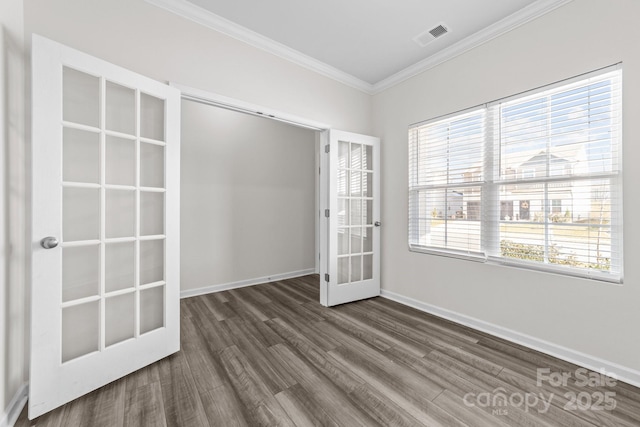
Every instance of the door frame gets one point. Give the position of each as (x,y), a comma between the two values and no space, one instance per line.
(322,137)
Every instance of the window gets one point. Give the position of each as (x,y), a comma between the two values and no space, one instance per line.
(533,180)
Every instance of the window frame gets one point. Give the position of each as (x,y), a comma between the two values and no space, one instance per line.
(490,216)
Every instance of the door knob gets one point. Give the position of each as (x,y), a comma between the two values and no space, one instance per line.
(377,224)
(49,242)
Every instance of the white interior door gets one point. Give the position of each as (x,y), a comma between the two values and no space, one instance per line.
(105,230)
(350,237)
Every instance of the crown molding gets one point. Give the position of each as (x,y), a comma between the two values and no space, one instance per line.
(208,19)
(204,17)
(511,22)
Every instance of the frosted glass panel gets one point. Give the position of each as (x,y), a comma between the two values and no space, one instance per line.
(356,183)
(151,309)
(121,109)
(151,213)
(80,330)
(80,214)
(119,318)
(343,270)
(356,240)
(121,161)
(120,213)
(81,156)
(343,241)
(367,267)
(356,266)
(119,266)
(80,272)
(356,212)
(81,97)
(151,165)
(151,261)
(151,117)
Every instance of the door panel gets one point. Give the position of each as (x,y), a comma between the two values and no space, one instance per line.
(352,233)
(105,299)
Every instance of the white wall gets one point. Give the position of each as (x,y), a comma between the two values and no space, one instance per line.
(594,318)
(247,197)
(161,45)
(12,211)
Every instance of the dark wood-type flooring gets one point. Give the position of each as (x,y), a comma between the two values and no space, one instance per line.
(270,355)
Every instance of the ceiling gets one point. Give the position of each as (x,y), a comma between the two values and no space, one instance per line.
(368,44)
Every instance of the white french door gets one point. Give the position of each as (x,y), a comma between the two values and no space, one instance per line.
(105,224)
(350,236)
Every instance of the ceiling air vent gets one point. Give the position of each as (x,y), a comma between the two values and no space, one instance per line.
(428,36)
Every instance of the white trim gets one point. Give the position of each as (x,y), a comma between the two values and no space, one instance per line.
(215,99)
(243,283)
(622,373)
(204,17)
(15,407)
(208,19)
(511,22)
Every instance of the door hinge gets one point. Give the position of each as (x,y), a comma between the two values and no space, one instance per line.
(326,213)
(327,148)
(326,277)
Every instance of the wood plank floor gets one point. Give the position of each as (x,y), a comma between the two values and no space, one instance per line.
(270,355)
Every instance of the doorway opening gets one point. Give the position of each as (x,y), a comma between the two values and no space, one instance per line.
(248,199)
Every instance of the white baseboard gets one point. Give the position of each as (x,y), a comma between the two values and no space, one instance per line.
(242,283)
(622,373)
(12,412)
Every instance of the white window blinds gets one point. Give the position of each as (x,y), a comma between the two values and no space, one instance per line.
(533,180)
(446,183)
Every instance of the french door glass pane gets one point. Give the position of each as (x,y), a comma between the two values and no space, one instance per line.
(151,165)
(80,330)
(368,212)
(151,309)
(343,241)
(356,184)
(367,184)
(367,267)
(80,214)
(151,213)
(81,97)
(356,212)
(367,161)
(80,272)
(343,270)
(119,266)
(343,182)
(356,266)
(119,318)
(367,239)
(120,213)
(80,156)
(151,261)
(343,212)
(120,109)
(151,117)
(356,240)
(121,161)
